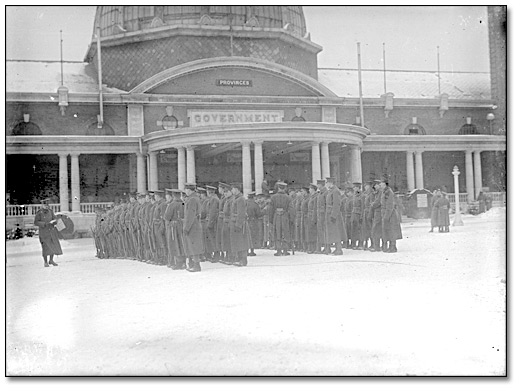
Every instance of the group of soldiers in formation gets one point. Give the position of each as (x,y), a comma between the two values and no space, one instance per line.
(182,228)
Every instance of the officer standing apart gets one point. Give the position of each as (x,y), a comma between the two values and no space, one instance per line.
(335,231)
(47,233)
(192,231)
(391,227)
(280,204)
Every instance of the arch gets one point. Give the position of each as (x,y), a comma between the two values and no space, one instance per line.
(25,128)
(105,130)
(259,65)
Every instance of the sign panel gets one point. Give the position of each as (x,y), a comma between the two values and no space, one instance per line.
(422,200)
(200,118)
(299,157)
(234,83)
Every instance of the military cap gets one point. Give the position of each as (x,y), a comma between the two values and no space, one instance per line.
(190,184)
(140,195)
(159,192)
(369,182)
(224,185)
(174,190)
(331,179)
(321,182)
(313,186)
(251,194)
(305,187)
(211,188)
(260,194)
(46,200)
(376,181)
(201,189)
(357,184)
(151,193)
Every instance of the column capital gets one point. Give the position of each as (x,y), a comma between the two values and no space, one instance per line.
(315,143)
(63,155)
(418,152)
(153,153)
(477,151)
(325,143)
(74,154)
(140,155)
(258,142)
(246,143)
(189,148)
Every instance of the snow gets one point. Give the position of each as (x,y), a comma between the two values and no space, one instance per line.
(437,307)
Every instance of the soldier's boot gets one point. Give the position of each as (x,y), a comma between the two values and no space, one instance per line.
(338,250)
(377,247)
(51,262)
(385,247)
(46,264)
(196,267)
(440,229)
(310,248)
(317,250)
(447,229)
(393,247)
(365,245)
(278,253)
(285,252)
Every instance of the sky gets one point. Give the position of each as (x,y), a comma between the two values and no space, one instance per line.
(411,35)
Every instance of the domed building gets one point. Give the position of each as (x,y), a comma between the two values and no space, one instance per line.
(175,94)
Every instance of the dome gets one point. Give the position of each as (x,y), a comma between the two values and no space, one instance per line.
(116,20)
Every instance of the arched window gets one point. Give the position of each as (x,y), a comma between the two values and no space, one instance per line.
(105,130)
(26,128)
(468,129)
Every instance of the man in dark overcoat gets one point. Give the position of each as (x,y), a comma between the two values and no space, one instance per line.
(225,232)
(312,219)
(335,232)
(159,227)
(280,206)
(348,207)
(357,217)
(192,231)
(321,217)
(391,227)
(375,211)
(435,209)
(212,217)
(173,217)
(240,240)
(47,233)
(255,223)
(366,229)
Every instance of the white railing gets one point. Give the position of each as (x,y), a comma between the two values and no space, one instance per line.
(90,208)
(463,198)
(31,209)
(28,209)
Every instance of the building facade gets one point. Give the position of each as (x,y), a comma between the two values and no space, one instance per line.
(175,94)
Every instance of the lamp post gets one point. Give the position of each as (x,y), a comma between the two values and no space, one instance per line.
(490,117)
(457,221)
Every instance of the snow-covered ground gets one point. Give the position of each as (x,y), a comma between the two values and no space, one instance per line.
(437,307)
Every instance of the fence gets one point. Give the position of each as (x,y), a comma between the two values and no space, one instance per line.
(498,200)
(31,209)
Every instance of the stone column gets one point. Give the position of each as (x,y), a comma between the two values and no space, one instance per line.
(75,182)
(316,162)
(191,165)
(153,170)
(182,168)
(258,166)
(470,188)
(132,173)
(64,183)
(477,169)
(141,177)
(325,160)
(356,164)
(419,171)
(247,168)
(410,170)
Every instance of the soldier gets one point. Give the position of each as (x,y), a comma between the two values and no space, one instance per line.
(138,226)
(255,224)
(298,220)
(347,214)
(225,235)
(321,217)
(193,234)
(312,219)
(434,209)
(47,233)
(202,193)
(335,232)
(160,240)
(375,212)
(305,221)
(219,226)
(391,227)
(366,228)
(174,229)
(240,240)
(357,216)
(267,226)
(148,227)
(212,217)
(280,205)
(443,206)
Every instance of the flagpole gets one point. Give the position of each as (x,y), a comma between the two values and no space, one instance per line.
(438,66)
(61,57)
(361,109)
(100,120)
(384,64)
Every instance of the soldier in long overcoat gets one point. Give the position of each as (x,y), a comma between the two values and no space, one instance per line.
(202,193)
(347,210)
(375,211)
(312,219)
(174,229)
(305,221)
(255,223)
(335,232)
(212,217)
(225,234)
(296,205)
(280,206)
(240,241)
(357,216)
(222,187)
(321,217)
(443,206)
(366,228)
(192,231)
(159,227)
(435,210)
(391,227)
(47,233)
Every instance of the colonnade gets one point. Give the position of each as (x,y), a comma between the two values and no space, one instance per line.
(415,172)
